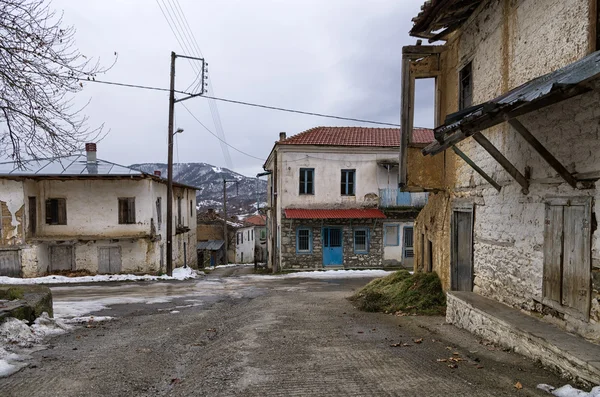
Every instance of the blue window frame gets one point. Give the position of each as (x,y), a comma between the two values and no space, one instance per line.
(348,182)
(307,181)
(361,241)
(391,235)
(408,242)
(304,243)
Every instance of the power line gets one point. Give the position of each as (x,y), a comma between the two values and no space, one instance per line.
(215,135)
(248,103)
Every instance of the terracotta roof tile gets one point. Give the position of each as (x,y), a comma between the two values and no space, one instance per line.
(256,220)
(352,213)
(356,136)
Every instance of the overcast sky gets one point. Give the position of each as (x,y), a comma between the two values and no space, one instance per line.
(340,57)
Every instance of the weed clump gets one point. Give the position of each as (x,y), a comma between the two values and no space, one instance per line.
(419,293)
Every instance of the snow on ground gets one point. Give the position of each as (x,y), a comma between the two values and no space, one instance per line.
(569,391)
(233,265)
(179,273)
(18,340)
(326,274)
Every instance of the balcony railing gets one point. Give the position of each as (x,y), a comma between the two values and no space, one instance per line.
(395,198)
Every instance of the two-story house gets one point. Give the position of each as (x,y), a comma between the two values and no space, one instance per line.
(251,240)
(328,187)
(513,170)
(81,213)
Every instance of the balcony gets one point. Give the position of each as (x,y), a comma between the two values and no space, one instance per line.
(391,197)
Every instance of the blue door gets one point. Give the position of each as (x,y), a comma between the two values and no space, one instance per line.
(333,254)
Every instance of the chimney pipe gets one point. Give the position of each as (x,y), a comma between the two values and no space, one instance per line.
(90,149)
(281,136)
(157,173)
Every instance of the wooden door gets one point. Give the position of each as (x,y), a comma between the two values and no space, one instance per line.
(61,258)
(462,250)
(10,264)
(567,254)
(109,260)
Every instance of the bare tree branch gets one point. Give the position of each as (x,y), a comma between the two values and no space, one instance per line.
(40,71)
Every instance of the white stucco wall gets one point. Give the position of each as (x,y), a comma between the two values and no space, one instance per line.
(390,252)
(244,251)
(12,201)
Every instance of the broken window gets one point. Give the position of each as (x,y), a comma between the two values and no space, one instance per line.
(348,182)
(307,176)
(126,210)
(466,86)
(56,211)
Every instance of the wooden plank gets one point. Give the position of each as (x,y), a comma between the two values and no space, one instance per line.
(464,260)
(542,151)
(406,119)
(61,257)
(503,161)
(62,211)
(553,247)
(115,259)
(103,260)
(576,281)
(420,50)
(476,168)
(10,263)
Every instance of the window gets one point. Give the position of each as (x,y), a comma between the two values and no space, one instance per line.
(253,234)
(32,216)
(237,238)
(348,179)
(304,240)
(361,241)
(191,209)
(392,238)
(263,234)
(408,242)
(127,210)
(56,211)
(159,211)
(307,176)
(466,86)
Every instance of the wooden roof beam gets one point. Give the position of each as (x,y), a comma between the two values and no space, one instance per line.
(476,168)
(542,151)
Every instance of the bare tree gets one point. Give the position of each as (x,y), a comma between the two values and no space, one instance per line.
(40,70)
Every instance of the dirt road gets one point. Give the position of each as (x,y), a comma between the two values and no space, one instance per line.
(246,336)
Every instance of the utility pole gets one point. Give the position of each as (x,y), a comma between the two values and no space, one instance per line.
(172,102)
(225,234)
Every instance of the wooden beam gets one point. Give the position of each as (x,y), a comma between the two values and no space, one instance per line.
(406,119)
(542,151)
(503,161)
(476,168)
(423,49)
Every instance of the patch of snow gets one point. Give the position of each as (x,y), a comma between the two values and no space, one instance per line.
(10,362)
(44,326)
(174,311)
(569,391)
(179,273)
(327,274)
(233,265)
(87,319)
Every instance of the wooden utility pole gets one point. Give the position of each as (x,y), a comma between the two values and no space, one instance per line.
(172,102)
(170,170)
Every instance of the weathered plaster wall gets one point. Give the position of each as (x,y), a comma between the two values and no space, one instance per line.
(12,204)
(392,254)
(245,249)
(292,260)
(424,172)
(370,177)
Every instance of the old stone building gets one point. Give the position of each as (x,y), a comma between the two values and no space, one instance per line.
(512,173)
(82,213)
(334,199)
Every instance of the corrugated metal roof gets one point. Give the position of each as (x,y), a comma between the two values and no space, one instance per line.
(352,213)
(545,90)
(211,245)
(356,136)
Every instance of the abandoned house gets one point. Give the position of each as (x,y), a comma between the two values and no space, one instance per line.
(333,199)
(210,228)
(81,213)
(512,214)
(251,240)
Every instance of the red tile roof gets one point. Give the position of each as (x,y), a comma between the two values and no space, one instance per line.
(353,213)
(256,220)
(356,136)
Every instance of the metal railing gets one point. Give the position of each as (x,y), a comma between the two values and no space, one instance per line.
(391,197)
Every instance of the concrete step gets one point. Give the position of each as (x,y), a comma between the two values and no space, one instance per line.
(569,354)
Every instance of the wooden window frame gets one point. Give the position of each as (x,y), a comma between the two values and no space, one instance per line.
(347,186)
(126,210)
(303,185)
(56,211)
(466,72)
(159,211)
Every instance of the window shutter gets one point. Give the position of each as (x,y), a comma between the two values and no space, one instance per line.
(49,212)
(131,210)
(62,211)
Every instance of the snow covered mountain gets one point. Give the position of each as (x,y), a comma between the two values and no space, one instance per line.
(241,196)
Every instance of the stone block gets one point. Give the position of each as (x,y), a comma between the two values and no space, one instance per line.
(26,302)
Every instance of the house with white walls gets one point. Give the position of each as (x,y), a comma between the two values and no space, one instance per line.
(251,240)
(79,213)
(334,202)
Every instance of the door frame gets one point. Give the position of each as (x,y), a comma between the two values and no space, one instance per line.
(341,228)
(467,207)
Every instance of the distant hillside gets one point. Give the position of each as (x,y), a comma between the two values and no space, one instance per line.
(241,199)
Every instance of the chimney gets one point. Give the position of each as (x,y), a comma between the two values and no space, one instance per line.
(281,136)
(157,173)
(90,149)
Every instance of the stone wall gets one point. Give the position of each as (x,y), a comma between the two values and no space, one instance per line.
(292,260)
